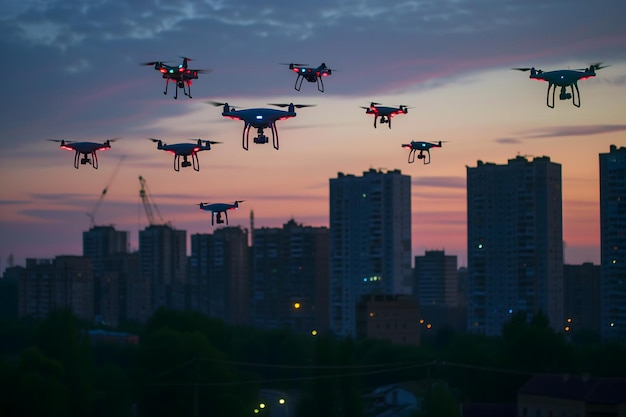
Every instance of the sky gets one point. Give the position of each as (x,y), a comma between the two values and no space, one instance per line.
(72,71)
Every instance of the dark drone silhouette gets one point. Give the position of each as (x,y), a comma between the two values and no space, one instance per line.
(185,149)
(217,209)
(422,147)
(563,79)
(384,112)
(180,75)
(311,74)
(86,149)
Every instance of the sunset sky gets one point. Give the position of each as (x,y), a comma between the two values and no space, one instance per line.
(71,71)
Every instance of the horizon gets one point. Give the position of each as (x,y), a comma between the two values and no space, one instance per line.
(79,78)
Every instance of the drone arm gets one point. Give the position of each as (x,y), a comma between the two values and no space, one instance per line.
(177,162)
(389,120)
(94,157)
(167,81)
(375,118)
(76,159)
(427,157)
(226,214)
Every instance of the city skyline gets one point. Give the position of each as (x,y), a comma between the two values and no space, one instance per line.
(81,80)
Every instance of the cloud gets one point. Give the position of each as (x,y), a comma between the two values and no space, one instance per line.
(439,182)
(508,141)
(566,131)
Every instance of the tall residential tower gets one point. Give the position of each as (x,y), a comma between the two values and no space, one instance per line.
(613,244)
(514,243)
(370,241)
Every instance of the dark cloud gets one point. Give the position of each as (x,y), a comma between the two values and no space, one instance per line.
(440,182)
(561,131)
(508,141)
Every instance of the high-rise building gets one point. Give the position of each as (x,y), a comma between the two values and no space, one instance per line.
(613,243)
(65,282)
(581,288)
(107,249)
(163,267)
(219,274)
(436,279)
(436,287)
(514,243)
(290,278)
(370,241)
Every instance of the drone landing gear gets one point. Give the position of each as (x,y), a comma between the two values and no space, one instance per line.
(320,82)
(219,219)
(195,162)
(85,159)
(421,155)
(563,95)
(260,138)
(384,119)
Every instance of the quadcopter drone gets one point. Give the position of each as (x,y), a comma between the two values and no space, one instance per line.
(217,209)
(185,150)
(385,113)
(311,74)
(86,149)
(180,75)
(563,79)
(260,119)
(422,147)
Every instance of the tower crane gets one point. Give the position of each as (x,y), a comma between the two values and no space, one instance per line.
(149,205)
(92,213)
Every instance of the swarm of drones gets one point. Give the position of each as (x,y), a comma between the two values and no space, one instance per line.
(266,118)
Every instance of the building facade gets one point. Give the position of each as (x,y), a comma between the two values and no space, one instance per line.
(65,282)
(613,243)
(162,270)
(370,241)
(515,243)
(219,275)
(289,287)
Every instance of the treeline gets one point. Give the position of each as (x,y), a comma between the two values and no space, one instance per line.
(186,364)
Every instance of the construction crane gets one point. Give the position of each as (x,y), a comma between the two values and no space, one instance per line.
(149,205)
(92,213)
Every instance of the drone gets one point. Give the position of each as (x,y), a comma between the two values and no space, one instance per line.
(563,79)
(181,75)
(86,149)
(260,119)
(185,150)
(311,74)
(422,147)
(217,209)
(385,113)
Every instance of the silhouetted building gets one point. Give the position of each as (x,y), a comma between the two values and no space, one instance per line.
(9,294)
(581,287)
(436,279)
(515,242)
(290,278)
(613,243)
(389,317)
(65,282)
(219,274)
(436,287)
(572,396)
(162,264)
(107,248)
(370,241)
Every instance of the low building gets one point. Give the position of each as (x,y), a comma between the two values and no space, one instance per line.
(572,396)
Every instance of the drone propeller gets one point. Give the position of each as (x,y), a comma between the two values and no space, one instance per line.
(522,69)
(298,106)
(207,142)
(294,64)
(598,65)
(404,106)
(152,63)
(215,103)
(202,71)
(60,140)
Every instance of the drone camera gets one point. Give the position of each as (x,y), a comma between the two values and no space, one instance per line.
(85,161)
(186,164)
(261,139)
(565,96)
